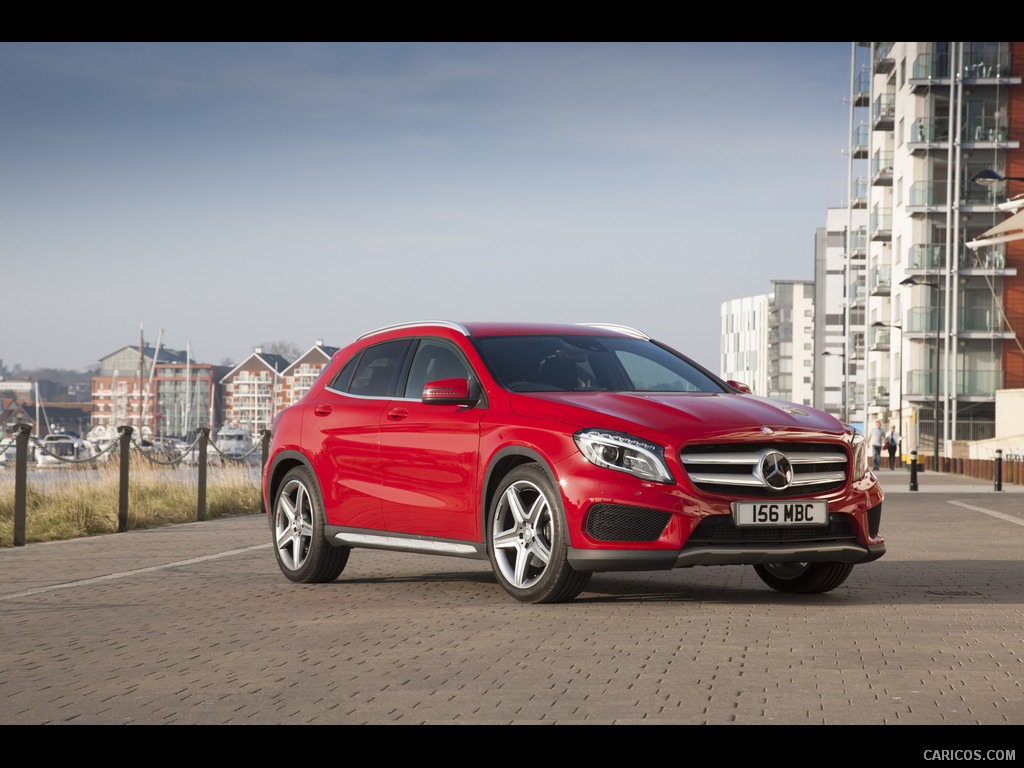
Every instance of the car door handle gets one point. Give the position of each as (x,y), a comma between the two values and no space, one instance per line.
(397,413)
(322,410)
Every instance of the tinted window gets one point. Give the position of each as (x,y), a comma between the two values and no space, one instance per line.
(434,360)
(377,371)
(573,363)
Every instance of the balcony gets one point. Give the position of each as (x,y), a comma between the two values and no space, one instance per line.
(859,243)
(884,62)
(981,384)
(927,197)
(881,281)
(861,141)
(987,62)
(862,88)
(972,322)
(878,391)
(929,133)
(929,69)
(883,112)
(923,258)
(860,193)
(880,337)
(881,226)
(985,131)
(881,169)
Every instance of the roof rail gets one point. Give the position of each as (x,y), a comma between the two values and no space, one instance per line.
(444,323)
(620,328)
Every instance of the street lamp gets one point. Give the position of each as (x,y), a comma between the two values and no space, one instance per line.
(988,178)
(909,281)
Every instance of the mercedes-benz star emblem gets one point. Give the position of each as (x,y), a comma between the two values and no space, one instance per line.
(776,471)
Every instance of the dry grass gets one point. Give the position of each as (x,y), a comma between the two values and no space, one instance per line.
(69,503)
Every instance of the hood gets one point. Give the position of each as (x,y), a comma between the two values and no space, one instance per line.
(671,410)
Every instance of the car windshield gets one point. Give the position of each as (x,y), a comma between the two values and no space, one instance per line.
(581,363)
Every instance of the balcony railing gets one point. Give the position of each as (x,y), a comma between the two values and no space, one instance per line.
(969,320)
(884,108)
(924,193)
(881,162)
(929,66)
(881,281)
(878,390)
(968,383)
(880,337)
(924,256)
(927,129)
(985,129)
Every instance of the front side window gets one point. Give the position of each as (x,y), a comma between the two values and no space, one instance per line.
(434,360)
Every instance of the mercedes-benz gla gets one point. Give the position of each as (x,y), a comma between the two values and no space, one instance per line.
(558,451)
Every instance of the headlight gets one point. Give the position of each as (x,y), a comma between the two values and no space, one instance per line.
(860,456)
(624,453)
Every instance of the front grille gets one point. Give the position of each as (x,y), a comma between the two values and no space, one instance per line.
(618,522)
(720,529)
(732,469)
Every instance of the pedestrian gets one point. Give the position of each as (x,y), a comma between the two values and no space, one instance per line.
(877,438)
(892,444)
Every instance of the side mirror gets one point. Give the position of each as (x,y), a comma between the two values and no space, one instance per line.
(740,386)
(448,392)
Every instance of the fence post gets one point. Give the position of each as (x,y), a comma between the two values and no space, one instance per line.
(913,470)
(124,448)
(266,448)
(204,438)
(22,432)
(999,469)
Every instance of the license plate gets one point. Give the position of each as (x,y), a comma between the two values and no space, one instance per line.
(780,512)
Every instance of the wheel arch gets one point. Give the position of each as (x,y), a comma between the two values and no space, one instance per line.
(503,462)
(282,463)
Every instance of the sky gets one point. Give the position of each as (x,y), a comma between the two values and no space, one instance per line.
(235,194)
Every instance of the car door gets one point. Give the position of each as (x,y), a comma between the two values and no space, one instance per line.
(343,422)
(430,453)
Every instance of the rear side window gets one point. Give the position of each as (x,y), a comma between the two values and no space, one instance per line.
(375,372)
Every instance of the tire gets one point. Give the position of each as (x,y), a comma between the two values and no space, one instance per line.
(527,539)
(302,550)
(804,578)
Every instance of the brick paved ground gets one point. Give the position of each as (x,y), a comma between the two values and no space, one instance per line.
(195,624)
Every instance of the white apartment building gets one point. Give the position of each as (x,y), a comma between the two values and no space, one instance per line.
(840,251)
(768,342)
(925,118)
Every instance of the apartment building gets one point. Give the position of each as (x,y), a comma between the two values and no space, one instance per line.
(840,292)
(173,396)
(768,341)
(298,377)
(926,117)
(250,391)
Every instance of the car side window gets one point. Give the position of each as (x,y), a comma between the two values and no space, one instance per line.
(435,360)
(376,373)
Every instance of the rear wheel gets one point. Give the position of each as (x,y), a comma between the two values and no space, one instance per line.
(804,578)
(302,550)
(527,540)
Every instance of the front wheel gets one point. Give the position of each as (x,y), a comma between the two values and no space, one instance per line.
(804,578)
(302,550)
(527,540)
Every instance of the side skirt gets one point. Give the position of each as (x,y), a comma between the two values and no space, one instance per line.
(341,536)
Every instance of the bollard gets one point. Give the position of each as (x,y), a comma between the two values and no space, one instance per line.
(266,448)
(999,469)
(913,470)
(20,481)
(204,438)
(122,493)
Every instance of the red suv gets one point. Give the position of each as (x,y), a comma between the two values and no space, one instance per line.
(555,451)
